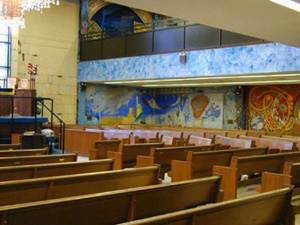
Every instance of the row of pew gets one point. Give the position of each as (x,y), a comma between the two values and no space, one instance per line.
(120,193)
(200,157)
(79,139)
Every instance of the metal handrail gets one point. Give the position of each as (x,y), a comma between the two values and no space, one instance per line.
(62,125)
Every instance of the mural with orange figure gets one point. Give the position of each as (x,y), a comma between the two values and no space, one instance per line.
(273,108)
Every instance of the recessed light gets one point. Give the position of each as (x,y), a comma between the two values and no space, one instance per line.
(288,3)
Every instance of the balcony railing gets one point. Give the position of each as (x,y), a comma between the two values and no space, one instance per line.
(155,38)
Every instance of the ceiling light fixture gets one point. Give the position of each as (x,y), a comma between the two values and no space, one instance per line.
(288,3)
(203,78)
(221,83)
(12,11)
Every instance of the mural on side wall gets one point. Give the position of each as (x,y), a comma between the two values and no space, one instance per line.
(187,107)
(275,108)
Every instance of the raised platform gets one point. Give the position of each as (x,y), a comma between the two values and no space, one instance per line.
(20,124)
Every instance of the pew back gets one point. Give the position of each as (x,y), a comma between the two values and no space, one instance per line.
(115,206)
(101,147)
(267,208)
(37,159)
(200,164)
(233,142)
(10,146)
(196,140)
(272,143)
(30,190)
(144,136)
(24,152)
(253,166)
(126,156)
(164,156)
(54,169)
(187,133)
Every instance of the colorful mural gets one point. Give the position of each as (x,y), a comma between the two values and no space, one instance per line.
(274,108)
(188,107)
(99,15)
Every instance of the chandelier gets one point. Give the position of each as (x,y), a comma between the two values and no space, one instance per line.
(12,11)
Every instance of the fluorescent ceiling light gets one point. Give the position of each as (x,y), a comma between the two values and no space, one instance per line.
(288,3)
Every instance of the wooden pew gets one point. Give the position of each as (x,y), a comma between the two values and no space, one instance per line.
(170,133)
(255,133)
(212,134)
(164,156)
(286,139)
(101,147)
(235,133)
(30,190)
(250,168)
(187,133)
(115,134)
(10,146)
(24,152)
(228,142)
(54,169)
(126,156)
(267,208)
(80,141)
(172,141)
(253,166)
(200,164)
(196,140)
(275,145)
(37,159)
(290,176)
(115,206)
(144,136)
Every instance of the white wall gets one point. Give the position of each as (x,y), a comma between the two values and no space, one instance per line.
(50,40)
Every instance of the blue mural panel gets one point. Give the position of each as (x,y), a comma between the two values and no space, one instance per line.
(176,108)
(122,105)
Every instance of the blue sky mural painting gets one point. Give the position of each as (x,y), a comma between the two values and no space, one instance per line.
(124,105)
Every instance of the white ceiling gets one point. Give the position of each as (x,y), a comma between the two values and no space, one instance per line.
(257,18)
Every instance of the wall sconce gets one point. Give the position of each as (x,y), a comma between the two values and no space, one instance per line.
(182,57)
(82,86)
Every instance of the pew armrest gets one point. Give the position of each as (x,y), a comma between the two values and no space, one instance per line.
(92,154)
(143,161)
(118,159)
(273,181)
(229,181)
(181,170)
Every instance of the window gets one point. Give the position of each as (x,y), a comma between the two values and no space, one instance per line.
(5,43)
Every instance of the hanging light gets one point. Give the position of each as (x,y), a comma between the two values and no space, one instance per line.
(12,11)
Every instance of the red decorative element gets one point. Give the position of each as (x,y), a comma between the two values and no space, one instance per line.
(199,104)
